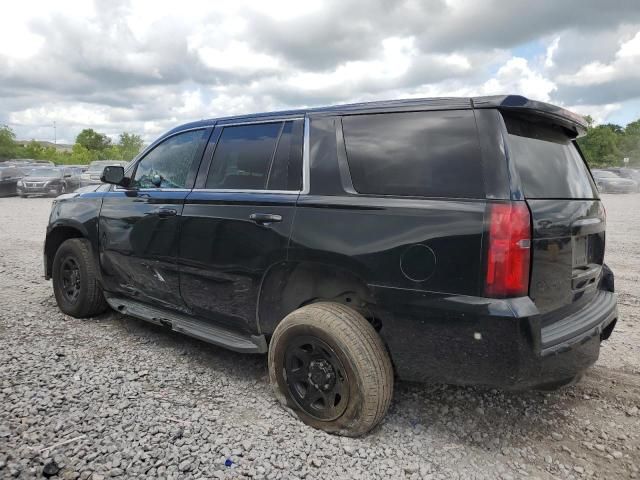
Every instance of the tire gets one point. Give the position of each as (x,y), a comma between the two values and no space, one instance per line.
(331,343)
(73,264)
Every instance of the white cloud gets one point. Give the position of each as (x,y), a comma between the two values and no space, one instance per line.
(516,76)
(626,63)
(599,113)
(551,50)
(145,65)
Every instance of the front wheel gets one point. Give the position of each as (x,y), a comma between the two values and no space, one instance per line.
(61,189)
(75,283)
(329,365)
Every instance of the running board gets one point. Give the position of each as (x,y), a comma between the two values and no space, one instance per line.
(189,326)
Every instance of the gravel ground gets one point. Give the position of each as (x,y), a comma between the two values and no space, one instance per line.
(116,397)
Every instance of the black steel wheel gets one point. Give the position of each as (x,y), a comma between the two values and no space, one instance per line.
(329,365)
(70,279)
(316,378)
(75,281)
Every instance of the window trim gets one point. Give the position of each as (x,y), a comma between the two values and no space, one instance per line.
(217,133)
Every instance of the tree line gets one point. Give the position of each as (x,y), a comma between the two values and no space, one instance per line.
(603,145)
(89,146)
(608,144)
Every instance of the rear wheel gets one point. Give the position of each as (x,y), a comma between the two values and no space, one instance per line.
(75,283)
(329,365)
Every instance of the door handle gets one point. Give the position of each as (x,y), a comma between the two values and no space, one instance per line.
(265,218)
(164,212)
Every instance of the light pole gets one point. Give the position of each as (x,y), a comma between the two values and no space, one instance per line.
(55,134)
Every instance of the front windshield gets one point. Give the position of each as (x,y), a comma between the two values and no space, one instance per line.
(44,172)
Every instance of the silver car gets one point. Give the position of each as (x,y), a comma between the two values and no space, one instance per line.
(609,182)
(91,176)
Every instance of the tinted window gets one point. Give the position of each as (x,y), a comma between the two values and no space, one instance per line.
(286,172)
(171,161)
(243,156)
(429,154)
(548,163)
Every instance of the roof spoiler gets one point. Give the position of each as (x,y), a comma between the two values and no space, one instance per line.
(516,103)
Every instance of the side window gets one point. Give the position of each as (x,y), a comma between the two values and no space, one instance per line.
(427,154)
(286,172)
(168,164)
(243,156)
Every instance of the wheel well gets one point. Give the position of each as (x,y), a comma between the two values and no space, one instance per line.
(287,288)
(55,238)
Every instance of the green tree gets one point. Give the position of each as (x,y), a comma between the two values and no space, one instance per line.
(630,143)
(92,140)
(33,150)
(615,128)
(600,146)
(130,145)
(81,155)
(7,143)
(114,152)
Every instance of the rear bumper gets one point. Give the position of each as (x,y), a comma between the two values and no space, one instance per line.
(493,342)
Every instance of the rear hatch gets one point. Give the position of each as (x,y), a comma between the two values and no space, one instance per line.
(568,219)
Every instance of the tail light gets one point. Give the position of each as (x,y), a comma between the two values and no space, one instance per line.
(509,250)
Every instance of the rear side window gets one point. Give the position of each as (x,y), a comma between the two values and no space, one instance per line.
(427,154)
(243,156)
(258,157)
(547,161)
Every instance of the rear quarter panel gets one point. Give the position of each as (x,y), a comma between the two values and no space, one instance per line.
(431,245)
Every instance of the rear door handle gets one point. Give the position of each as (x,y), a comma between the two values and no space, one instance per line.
(265,218)
(164,212)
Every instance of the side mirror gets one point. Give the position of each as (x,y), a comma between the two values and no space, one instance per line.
(115,175)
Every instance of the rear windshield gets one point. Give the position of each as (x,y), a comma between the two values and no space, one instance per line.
(548,163)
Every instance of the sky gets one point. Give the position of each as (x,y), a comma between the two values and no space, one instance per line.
(144,66)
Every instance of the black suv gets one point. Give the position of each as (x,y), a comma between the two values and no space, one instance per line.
(456,240)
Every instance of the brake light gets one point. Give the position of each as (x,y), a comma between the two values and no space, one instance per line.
(509,250)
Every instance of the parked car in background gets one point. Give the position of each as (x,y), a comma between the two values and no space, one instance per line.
(27,162)
(9,177)
(91,175)
(451,240)
(48,181)
(82,168)
(629,173)
(609,182)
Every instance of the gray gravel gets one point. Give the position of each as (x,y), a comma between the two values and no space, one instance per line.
(116,397)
